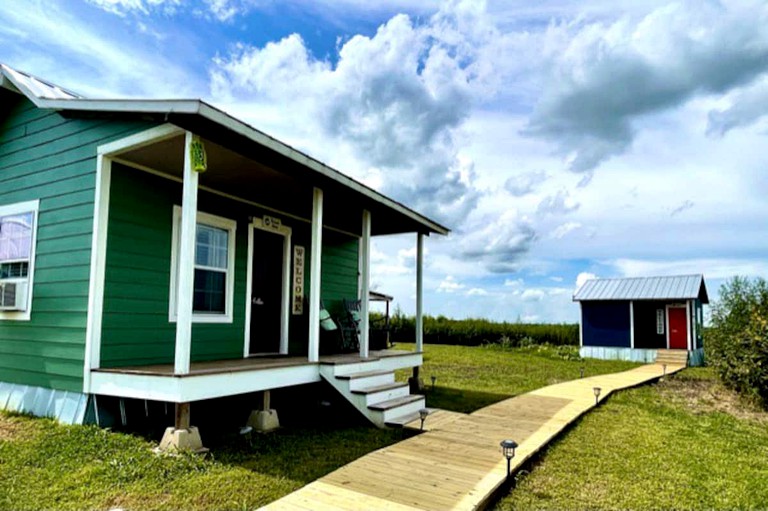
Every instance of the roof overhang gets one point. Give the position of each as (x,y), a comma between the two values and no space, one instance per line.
(212,123)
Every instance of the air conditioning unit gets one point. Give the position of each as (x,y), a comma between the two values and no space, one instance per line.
(13,296)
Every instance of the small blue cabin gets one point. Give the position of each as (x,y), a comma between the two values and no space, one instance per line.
(644,319)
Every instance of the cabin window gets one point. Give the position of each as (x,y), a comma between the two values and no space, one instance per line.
(214,264)
(660,321)
(18,229)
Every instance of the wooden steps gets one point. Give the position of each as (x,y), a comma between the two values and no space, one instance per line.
(672,357)
(373,391)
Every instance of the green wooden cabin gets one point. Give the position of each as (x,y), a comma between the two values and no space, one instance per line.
(166,251)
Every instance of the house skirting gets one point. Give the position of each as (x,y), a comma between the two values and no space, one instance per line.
(64,406)
(647,356)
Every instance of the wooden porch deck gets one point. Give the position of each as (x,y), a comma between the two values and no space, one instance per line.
(253,363)
(457,463)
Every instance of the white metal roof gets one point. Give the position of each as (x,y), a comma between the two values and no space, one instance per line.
(678,287)
(40,89)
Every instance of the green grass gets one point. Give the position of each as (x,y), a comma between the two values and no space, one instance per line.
(685,443)
(44,465)
(469,378)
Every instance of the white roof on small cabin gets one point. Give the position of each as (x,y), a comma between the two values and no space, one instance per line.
(46,95)
(677,287)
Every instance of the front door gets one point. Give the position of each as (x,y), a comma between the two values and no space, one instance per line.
(266,291)
(678,328)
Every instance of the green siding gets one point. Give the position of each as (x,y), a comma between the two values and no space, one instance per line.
(46,156)
(339,270)
(136,329)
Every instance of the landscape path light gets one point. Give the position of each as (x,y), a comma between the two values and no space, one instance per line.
(508,450)
(434,379)
(664,368)
(246,432)
(423,413)
(597,391)
(581,370)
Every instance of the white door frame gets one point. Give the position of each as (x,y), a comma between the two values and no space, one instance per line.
(285,309)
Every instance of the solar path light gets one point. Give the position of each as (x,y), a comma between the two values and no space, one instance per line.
(423,413)
(664,368)
(434,379)
(508,450)
(581,370)
(597,391)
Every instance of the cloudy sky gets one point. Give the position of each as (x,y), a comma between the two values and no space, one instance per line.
(557,139)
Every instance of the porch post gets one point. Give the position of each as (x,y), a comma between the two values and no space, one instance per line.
(184,298)
(632,324)
(315,259)
(365,282)
(688,323)
(419,292)
(415,383)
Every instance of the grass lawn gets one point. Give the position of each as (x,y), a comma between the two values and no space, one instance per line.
(671,445)
(469,378)
(44,465)
(685,443)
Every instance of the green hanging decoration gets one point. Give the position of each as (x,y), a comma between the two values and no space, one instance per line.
(197,155)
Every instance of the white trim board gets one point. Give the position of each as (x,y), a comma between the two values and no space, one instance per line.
(187,388)
(285,305)
(92,354)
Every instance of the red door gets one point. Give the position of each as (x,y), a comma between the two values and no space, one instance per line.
(678,328)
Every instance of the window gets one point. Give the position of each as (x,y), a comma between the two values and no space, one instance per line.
(660,321)
(18,229)
(214,263)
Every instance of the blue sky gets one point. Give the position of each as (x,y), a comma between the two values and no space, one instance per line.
(558,139)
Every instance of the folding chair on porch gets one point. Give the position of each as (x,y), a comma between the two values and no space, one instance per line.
(330,341)
(350,325)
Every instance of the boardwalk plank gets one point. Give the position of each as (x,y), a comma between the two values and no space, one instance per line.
(456,464)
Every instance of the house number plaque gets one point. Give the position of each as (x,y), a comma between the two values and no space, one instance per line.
(297,284)
(271,222)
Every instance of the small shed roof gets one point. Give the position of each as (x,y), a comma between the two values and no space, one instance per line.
(677,287)
(375,296)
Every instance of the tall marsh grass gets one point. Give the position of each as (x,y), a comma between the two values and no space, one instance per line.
(476,332)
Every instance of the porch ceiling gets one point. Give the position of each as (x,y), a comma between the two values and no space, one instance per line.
(251,173)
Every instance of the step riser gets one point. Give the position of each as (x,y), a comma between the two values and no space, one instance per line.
(403,410)
(400,362)
(672,360)
(360,367)
(371,381)
(386,395)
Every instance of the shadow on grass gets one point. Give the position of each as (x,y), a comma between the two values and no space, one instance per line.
(320,431)
(461,400)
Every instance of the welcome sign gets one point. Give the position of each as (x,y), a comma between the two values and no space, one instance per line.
(298,280)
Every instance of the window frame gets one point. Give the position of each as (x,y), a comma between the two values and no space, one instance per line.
(218,222)
(17,208)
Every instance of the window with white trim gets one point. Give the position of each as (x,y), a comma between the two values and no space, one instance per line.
(18,232)
(213,295)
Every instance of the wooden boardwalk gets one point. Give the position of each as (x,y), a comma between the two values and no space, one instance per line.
(456,463)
